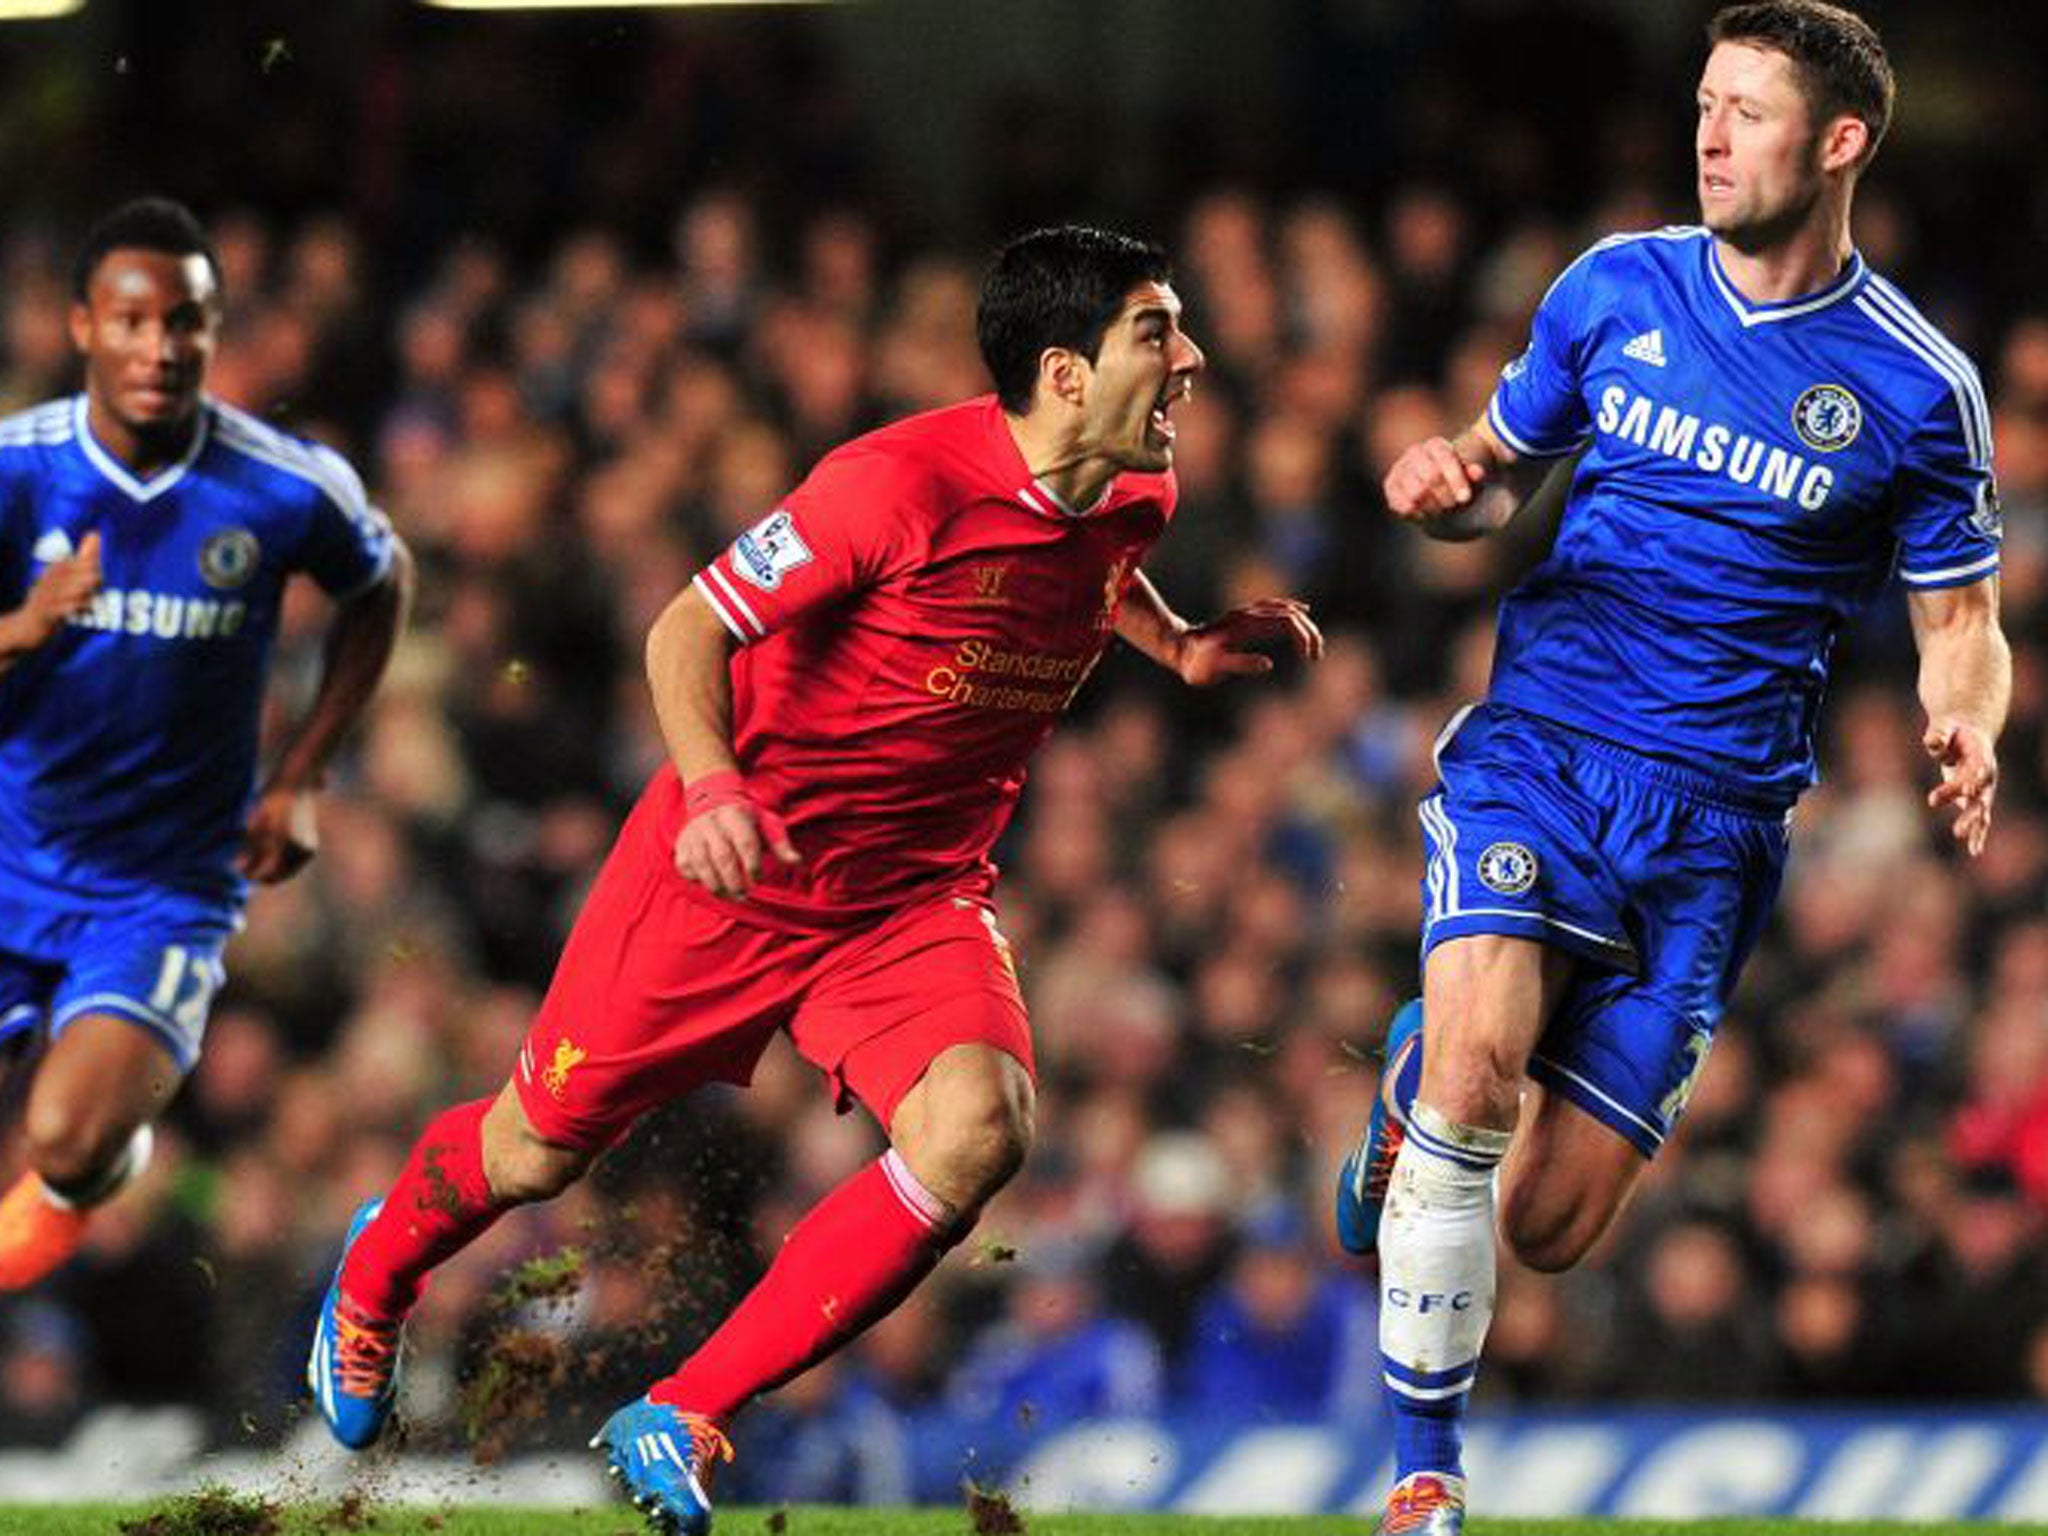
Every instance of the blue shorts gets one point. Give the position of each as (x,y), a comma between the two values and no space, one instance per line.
(153,959)
(1658,877)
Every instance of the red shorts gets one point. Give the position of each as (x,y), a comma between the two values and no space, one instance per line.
(658,993)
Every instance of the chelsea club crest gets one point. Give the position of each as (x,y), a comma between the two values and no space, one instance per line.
(1509,868)
(228,559)
(1827,418)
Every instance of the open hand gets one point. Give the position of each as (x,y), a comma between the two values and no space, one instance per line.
(1969,778)
(1227,646)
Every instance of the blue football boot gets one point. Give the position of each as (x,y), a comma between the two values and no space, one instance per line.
(353,1370)
(1362,1180)
(663,1459)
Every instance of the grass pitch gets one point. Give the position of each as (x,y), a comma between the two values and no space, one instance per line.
(227,1515)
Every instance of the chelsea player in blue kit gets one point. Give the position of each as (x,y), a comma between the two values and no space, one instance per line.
(146,536)
(1769,432)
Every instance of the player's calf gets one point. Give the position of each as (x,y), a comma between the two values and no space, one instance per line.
(1567,1180)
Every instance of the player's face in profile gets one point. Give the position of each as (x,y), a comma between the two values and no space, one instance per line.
(1758,161)
(147,330)
(1146,365)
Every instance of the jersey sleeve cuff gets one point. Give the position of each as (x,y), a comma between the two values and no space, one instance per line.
(1952,575)
(716,589)
(1515,440)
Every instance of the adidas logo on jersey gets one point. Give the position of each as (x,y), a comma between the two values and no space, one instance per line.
(54,545)
(1647,348)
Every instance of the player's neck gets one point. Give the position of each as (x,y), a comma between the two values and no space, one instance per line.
(1059,461)
(140,451)
(1805,261)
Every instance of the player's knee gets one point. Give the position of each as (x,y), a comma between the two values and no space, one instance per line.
(976,1139)
(1476,1083)
(985,1148)
(71,1149)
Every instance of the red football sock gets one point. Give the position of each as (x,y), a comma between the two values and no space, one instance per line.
(858,1253)
(439,1205)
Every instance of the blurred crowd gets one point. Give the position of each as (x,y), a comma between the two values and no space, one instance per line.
(1214,897)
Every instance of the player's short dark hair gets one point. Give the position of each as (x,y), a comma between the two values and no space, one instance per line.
(1838,56)
(1058,287)
(145,224)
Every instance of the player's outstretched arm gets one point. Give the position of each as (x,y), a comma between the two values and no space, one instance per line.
(1463,487)
(65,588)
(1965,687)
(1229,645)
(721,845)
(282,834)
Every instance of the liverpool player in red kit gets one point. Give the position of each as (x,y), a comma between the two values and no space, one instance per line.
(849,695)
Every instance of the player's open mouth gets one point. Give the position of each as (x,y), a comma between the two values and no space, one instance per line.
(1162,422)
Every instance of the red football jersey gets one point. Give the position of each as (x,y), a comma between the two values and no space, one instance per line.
(913,620)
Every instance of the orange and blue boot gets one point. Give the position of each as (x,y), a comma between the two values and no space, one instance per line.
(1424,1504)
(1362,1180)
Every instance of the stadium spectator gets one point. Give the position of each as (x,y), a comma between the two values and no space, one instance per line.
(1281,1338)
(1055,1358)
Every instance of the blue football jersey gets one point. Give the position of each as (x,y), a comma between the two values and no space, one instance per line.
(1753,474)
(128,742)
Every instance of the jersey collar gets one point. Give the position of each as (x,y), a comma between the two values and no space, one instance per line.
(1047,502)
(1749,313)
(113,469)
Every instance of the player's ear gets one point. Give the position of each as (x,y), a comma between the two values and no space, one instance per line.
(81,326)
(1844,144)
(1062,375)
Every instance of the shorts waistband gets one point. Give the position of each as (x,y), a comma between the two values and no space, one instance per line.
(1692,783)
(1711,789)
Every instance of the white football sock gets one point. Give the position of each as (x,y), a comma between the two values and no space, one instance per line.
(1436,1257)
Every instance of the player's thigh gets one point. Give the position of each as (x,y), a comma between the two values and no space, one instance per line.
(1518,893)
(923,1023)
(656,993)
(1566,1179)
